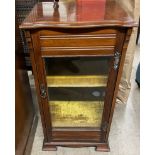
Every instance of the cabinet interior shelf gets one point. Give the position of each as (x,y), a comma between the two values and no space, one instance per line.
(76,113)
(77,81)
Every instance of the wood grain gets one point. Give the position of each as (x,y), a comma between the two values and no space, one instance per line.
(57,32)
(77,41)
(71,15)
(77,51)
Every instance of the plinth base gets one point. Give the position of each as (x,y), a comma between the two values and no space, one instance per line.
(52,146)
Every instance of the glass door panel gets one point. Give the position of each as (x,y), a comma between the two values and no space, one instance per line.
(76,90)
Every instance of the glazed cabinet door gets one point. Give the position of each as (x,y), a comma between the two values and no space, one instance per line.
(75,88)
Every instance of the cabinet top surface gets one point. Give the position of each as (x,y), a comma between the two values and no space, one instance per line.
(77,13)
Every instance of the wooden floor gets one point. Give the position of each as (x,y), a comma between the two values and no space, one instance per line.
(124,134)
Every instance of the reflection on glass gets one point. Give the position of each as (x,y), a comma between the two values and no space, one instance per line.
(76,93)
(76,90)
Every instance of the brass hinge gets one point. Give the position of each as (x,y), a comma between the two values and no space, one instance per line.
(43,93)
(116,59)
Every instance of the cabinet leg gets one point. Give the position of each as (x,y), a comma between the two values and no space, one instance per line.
(103,148)
(49,147)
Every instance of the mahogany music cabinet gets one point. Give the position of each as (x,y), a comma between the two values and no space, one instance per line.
(77,49)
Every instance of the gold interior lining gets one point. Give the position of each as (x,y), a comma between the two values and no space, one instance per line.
(76,113)
(77,81)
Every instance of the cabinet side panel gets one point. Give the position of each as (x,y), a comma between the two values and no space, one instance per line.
(122,43)
(38,70)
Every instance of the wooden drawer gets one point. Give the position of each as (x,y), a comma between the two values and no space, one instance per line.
(78,41)
(70,38)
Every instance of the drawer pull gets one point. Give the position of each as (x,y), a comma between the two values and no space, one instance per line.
(116,59)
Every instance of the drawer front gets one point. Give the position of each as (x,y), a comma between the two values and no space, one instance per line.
(78,41)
